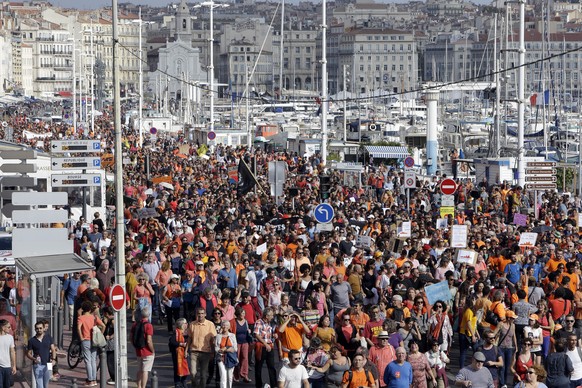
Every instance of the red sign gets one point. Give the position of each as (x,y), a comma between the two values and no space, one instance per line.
(117,297)
(448,187)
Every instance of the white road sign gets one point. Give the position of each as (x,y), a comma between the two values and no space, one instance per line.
(75,180)
(76,163)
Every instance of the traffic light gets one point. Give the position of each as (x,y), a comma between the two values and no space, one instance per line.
(324,187)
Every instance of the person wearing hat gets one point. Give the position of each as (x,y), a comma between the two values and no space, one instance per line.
(382,354)
(493,358)
(533,331)
(474,375)
(172,300)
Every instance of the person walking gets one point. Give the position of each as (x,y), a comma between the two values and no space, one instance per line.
(177,346)
(293,374)
(109,334)
(398,373)
(201,336)
(41,351)
(85,324)
(142,333)
(172,301)
(475,375)
(226,349)
(265,337)
(240,327)
(7,354)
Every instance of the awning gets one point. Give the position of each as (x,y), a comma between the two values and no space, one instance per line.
(387,152)
(43,266)
(65,93)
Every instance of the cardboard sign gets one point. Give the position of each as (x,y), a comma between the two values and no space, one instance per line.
(442,223)
(160,179)
(579,220)
(528,239)
(405,229)
(438,291)
(261,249)
(364,242)
(459,236)
(446,210)
(147,212)
(467,256)
(520,219)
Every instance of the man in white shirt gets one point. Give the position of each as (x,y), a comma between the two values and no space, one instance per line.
(7,354)
(293,375)
(575,354)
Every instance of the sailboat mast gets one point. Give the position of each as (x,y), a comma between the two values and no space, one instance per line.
(497,96)
(521,97)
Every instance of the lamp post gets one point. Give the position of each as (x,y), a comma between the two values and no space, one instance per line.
(211,6)
(140,114)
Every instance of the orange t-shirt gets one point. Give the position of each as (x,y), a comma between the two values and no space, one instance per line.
(87,321)
(292,338)
(552,265)
(359,379)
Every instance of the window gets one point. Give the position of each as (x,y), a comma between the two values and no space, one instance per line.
(297,50)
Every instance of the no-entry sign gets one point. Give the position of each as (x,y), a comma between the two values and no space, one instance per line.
(117,297)
(448,187)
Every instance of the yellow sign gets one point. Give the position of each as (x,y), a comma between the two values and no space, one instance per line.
(446,210)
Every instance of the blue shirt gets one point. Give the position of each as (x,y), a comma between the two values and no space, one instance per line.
(70,287)
(232,280)
(513,271)
(398,376)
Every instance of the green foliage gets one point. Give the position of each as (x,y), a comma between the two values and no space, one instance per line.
(570,172)
(333,156)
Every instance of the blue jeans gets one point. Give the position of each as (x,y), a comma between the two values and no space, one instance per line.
(575,383)
(465,344)
(90,358)
(5,377)
(507,356)
(41,375)
(545,348)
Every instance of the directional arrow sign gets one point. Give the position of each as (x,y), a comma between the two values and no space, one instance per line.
(75,163)
(9,208)
(540,164)
(543,178)
(539,171)
(75,180)
(40,216)
(541,186)
(21,181)
(23,168)
(76,146)
(55,198)
(18,154)
(324,213)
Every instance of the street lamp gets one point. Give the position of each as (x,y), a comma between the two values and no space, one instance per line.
(141,23)
(211,6)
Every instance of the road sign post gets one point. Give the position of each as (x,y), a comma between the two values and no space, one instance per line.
(89,163)
(79,146)
(76,180)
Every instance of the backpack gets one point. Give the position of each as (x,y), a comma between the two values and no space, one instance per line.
(351,375)
(138,338)
(176,265)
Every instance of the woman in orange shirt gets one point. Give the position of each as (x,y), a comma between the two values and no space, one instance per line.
(85,324)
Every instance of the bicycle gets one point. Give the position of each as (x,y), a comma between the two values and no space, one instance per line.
(74,353)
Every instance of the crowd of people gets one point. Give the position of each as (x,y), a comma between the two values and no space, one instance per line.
(242,280)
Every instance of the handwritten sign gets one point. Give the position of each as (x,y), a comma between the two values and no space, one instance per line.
(405,229)
(262,249)
(438,291)
(467,256)
(520,219)
(528,239)
(459,236)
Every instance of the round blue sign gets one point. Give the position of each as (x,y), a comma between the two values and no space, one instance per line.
(153,130)
(211,135)
(323,213)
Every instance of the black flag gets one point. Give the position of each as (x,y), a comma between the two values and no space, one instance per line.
(246,180)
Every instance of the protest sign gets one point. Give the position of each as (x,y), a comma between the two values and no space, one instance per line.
(519,219)
(528,239)
(438,291)
(459,236)
(467,256)
(405,229)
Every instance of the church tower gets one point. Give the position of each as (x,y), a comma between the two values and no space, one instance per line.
(183,22)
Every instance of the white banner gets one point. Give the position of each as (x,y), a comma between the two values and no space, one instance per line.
(459,236)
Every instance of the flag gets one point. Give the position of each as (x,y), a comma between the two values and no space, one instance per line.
(538,99)
(246,180)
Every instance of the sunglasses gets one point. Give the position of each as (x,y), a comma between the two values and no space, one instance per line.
(531,372)
(296,359)
(490,338)
(438,306)
(528,344)
(569,321)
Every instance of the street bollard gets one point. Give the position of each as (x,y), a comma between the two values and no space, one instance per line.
(103,368)
(75,384)
(60,326)
(155,379)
